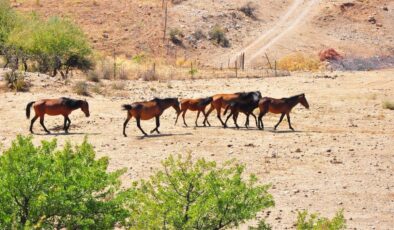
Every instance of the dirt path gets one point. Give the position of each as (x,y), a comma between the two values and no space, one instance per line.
(289,21)
(341,155)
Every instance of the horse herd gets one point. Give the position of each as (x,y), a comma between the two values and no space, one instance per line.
(241,102)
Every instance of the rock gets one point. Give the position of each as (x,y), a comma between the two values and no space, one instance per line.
(385,8)
(298,150)
(372,19)
(105,35)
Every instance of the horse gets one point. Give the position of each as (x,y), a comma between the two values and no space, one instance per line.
(283,106)
(194,105)
(147,110)
(220,101)
(61,106)
(246,108)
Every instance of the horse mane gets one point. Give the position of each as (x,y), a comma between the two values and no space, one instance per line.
(71,103)
(205,101)
(292,98)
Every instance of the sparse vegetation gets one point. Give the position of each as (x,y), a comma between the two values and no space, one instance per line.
(198,195)
(16,81)
(81,88)
(93,76)
(149,75)
(388,104)
(315,222)
(176,36)
(249,10)
(218,35)
(299,62)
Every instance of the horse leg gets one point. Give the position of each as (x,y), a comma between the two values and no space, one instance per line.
(260,121)
(207,114)
(288,120)
(198,114)
(255,119)
(183,116)
(42,124)
(157,125)
(247,121)
(177,116)
(280,120)
(69,123)
(139,126)
(32,122)
(125,124)
(65,128)
(235,117)
(218,110)
(225,123)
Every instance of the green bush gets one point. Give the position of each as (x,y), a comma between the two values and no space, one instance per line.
(200,195)
(218,34)
(314,222)
(48,188)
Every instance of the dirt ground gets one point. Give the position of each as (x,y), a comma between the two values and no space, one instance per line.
(340,156)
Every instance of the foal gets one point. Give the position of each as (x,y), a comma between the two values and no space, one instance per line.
(62,106)
(194,105)
(283,106)
(147,110)
(220,101)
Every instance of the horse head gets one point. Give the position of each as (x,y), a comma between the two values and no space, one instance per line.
(303,101)
(85,108)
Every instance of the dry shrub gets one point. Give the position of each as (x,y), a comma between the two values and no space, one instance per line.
(249,10)
(299,62)
(119,85)
(218,35)
(16,81)
(93,76)
(182,62)
(149,75)
(123,73)
(81,88)
(388,105)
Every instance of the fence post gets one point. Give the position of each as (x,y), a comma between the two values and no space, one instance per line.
(165,22)
(114,56)
(236,68)
(269,63)
(275,70)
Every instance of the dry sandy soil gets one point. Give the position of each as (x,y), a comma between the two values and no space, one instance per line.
(340,156)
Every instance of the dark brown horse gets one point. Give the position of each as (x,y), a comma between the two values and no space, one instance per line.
(246,108)
(147,110)
(220,101)
(194,105)
(283,106)
(62,106)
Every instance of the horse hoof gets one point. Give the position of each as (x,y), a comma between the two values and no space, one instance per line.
(124,135)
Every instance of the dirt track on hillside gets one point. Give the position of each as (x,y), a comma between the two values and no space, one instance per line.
(340,156)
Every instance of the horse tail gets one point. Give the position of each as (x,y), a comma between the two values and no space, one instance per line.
(127,107)
(28,107)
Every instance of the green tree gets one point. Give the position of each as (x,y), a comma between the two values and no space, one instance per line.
(198,195)
(315,222)
(7,20)
(53,189)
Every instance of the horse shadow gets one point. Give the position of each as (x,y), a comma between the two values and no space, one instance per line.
(66,134)
(163,135)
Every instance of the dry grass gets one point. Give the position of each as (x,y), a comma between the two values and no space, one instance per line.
(81,88)
(119,85)
(16,81)
(299,62)
(388,104)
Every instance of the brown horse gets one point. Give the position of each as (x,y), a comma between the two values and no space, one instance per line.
(283,106)
(246,108)
(62,106)
(220,101)
(194,105)
(147,110)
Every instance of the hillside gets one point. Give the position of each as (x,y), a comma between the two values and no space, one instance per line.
(353,27)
